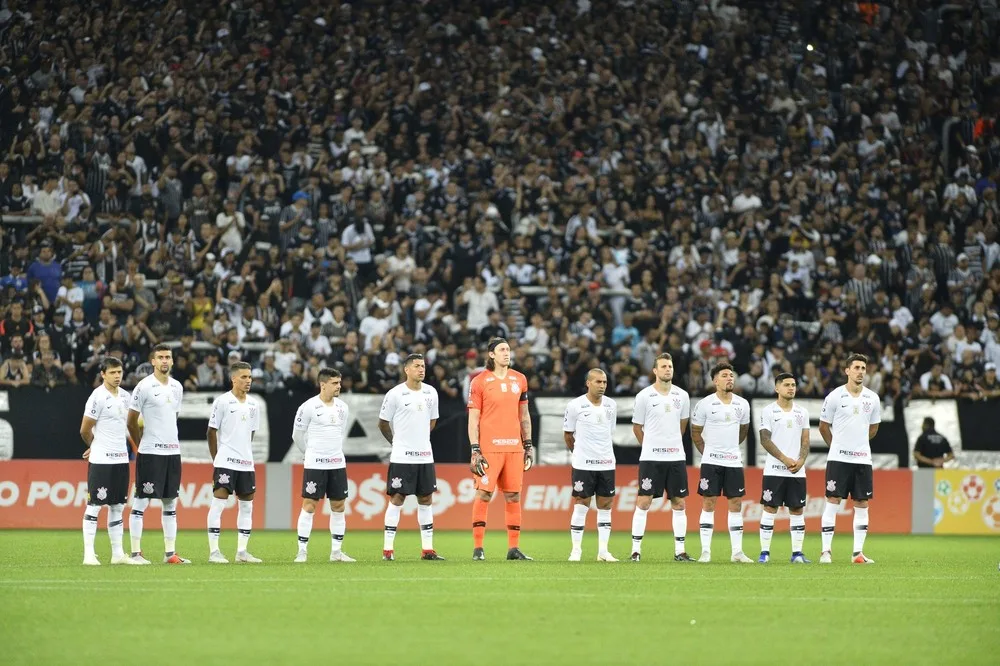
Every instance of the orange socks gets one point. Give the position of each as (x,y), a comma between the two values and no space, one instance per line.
(479,511)
(512,510)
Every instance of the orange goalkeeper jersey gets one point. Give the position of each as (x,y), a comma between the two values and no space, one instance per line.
(498,401)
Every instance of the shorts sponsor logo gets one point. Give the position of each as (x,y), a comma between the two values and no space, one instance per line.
(147,488)
(703,484)
(599,461)
(647,484)
(767,495)
(223,479)
(578,487)
(102,493)
(396,482)
(831,486)
(310,487)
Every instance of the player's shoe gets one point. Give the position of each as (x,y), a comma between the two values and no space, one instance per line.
(765,557)
(706,557)
(388,555)
(139,559)
(740,558)
(478,554)
(244,557)
(430,555)
(91,561)
(606,557)
(683,557)
(216,557)
(302,557)
(341,556)
(175,559)
(859,558)
(799,558)
(636,557)
(826,557)
(120,559)
(516,554)
(575,555)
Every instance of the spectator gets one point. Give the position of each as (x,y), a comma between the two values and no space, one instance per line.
(932,449)
(46,271)
(210,375)
(935,384)
(47,374)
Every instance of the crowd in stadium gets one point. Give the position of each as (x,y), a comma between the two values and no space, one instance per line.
(774,183)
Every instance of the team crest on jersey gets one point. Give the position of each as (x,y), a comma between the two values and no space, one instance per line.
(677,403)
(798,420)
(866,406)
(767,495)
(148,487)
(514,388)
(831,486)
(223,479)
(396,482)
(609,411)
(310,487)
(428,402)
(578,487)
(739,412)
(102,493)
(647,484)
(703,484)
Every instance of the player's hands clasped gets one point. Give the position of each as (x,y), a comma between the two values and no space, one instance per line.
(529,455)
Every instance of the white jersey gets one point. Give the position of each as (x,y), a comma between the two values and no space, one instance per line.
(236,422)
(593,426)
(660,417)
(850,418)
(410,413)
(159,405)
(786,430)
(325,427)
(110,445)
(721,429)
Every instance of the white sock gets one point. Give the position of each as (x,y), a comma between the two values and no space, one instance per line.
(169,522)
(391,524)
(736,531)
(425,518)
(90,515)
(305,529)
(338,525)
(603,529)
(116,528)
(860,528)
(706,525)
(798,529)
(680,520)
(215,523)
(135,524)
(766,531)
(638,528)
(828,523)
(244,523)
(577,523)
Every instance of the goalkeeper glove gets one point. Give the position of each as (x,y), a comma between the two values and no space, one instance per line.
(478,464)
(529,458)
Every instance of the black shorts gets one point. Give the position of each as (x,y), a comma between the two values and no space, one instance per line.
(107,484)
(843,479)
(778,490)
(157,476)
(717,480)
(320,483)
(239,483)
(411,479)
(655,476)
(587,483)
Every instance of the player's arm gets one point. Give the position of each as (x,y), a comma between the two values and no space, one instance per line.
(477,463)
(300,428)
(875,420)
(569,427)
(685,414)
(698,420)
(214,423)
(638,432)
(87,434)
(385,428)
(872,431)
(803,451)
(768,445)
(745,422)
(529,458)
(435,409)
(385,416)
(826,419)
(132,423)
(639,417)
(744,431)
(570,439)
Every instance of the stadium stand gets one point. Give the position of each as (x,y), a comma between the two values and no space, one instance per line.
(305,183)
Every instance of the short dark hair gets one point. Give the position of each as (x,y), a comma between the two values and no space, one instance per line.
(411,358)
(110,362)
(855,357)
(663,357)
(239,365)
(162,347)
(716,369)
(326,374)
(782,376)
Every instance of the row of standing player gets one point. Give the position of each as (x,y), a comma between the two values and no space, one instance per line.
(500,433)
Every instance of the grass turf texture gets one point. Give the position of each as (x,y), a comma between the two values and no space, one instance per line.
(929,600)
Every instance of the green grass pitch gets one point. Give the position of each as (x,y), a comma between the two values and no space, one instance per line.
(929,600)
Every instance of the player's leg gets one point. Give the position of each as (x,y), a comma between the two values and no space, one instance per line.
(510,482)
(395,481)
(314,488)
(168,518)
(485,487)
(92,511)
(117,496)
(836,477)
(795,500)
(734,486)
(651,479)
(246,487)
(861,492)
(583,490)
(146,477)
(605,491)
(223,485)
(425,486)
(709,487)
(337,493)
(771,495)
(677,491)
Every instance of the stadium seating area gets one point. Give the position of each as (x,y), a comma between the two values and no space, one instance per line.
(302,183)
